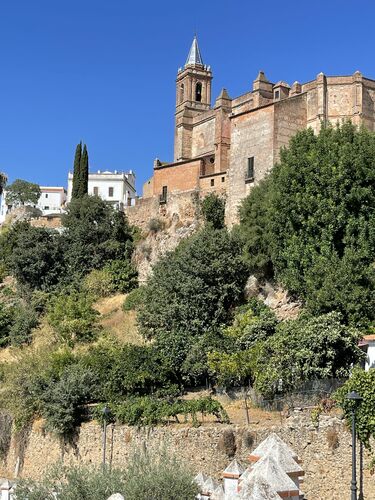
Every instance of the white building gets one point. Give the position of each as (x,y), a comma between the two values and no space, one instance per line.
(117,188)
(51,201)
(368,345)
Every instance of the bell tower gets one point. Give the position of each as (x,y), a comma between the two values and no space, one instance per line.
(193,96)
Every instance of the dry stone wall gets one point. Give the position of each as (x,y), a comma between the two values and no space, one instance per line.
(325,451)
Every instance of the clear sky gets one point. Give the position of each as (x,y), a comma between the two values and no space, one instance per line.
(104,71)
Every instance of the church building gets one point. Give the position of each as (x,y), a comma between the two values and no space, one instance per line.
(229,146)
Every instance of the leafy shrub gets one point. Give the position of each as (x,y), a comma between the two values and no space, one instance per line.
(25,320)
(305,349)
(123,274)
(164,477)
(149,411)
(363,382)
(155,225)
(213,210)
(72,483)
(73,317)
(6,320)
(125,370)
(98,283)
(134,299)
(21,395)
(62,401)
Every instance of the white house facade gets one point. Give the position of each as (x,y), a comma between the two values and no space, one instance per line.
(51,201)
(117,188)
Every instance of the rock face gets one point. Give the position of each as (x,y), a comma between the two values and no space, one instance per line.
(275,297)
(163,226)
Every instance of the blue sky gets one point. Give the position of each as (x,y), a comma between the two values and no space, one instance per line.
(104,71)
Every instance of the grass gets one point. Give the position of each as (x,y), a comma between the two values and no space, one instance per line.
(122,325)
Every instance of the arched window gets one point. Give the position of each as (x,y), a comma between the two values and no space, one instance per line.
(181,92)
(198,92)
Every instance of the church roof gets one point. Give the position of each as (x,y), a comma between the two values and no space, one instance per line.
(194,56)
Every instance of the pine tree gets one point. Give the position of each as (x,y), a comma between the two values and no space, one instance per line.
(76,190)
(84,172)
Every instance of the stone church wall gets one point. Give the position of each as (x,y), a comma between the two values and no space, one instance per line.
(203,137)
(252,135)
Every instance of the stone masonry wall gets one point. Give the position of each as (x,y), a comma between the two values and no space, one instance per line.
(252,135)
(325,459)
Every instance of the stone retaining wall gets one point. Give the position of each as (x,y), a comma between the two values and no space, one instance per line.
(325,451)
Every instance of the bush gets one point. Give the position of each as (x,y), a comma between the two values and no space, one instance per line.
(125,370)
(62,401)
(305,349)
(25,320)
(72,483)
(134,299)
(363,382)
(150,411)
(155,225)
(6,320)
(213,210)
(73,317)
(98,283)
(123,274)
(155,475)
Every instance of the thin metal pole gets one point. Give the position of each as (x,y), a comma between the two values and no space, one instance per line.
(104,441)
(354,458)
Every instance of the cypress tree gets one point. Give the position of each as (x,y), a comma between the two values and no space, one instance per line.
(84,172)
(76,190)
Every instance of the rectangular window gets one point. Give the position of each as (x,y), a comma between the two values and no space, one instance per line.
(163,196)
(250,169)
(223,179)
(96,191)
(110,192)
(277,95)
(212,182)
(46,208)
(46,195)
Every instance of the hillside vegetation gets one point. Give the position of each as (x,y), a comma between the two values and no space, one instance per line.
(308,226)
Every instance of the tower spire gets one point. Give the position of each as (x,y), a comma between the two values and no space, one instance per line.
(194,56)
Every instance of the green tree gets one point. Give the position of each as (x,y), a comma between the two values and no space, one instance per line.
(313,221)
(84,172)
(22,192)
(94,234)
(73,317)
(213,210)
(192,290)
(76,188)
(34,255)
(305,349)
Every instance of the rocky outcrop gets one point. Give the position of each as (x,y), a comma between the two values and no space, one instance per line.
(274,296)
